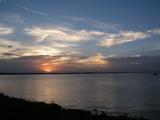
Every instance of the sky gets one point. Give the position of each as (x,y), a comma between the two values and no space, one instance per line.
(79,36)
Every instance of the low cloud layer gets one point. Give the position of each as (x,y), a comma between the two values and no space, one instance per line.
(65,63)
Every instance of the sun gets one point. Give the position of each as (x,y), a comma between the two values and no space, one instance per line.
(48,70)
(47,67)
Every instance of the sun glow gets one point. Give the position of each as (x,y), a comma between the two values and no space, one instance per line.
(47,67)
(47,70)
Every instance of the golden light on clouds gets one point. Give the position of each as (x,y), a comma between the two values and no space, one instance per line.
(97,59)
(61,34)
(58,63)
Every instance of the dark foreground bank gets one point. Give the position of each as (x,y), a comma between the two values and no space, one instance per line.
(19,109)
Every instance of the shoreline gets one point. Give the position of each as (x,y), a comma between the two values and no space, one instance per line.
(83,73)
(17,108)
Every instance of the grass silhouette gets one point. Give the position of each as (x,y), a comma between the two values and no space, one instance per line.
(19,109)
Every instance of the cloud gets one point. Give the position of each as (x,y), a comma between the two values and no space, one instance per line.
(74,60)
(123,37)
(111,39)
(6,46)
(154,31)
(6,30)
(97,59)
(32,10)
(66,34)
(69,35)
(40,50)
(61,34)
(94,23)
(9,44)
(63,63)
(15,48)
(134,64)
(63,45)
(9,54)
(21,49)
(13,18)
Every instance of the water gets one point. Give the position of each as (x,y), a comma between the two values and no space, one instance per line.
(136,94)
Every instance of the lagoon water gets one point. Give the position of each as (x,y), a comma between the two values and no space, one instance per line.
(136,94)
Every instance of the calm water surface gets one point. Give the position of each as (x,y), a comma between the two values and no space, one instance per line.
(136,94)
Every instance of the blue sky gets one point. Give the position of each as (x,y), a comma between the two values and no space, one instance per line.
(65,34)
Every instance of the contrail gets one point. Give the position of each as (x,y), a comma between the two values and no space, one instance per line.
(28,9)
(32,10)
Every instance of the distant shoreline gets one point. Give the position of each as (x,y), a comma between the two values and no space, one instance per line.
(151,72)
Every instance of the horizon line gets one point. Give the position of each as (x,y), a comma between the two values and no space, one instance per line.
(7,73)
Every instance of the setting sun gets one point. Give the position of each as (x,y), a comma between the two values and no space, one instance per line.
(47,70)
(47,67)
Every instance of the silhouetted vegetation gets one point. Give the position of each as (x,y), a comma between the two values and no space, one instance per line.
(19,109)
